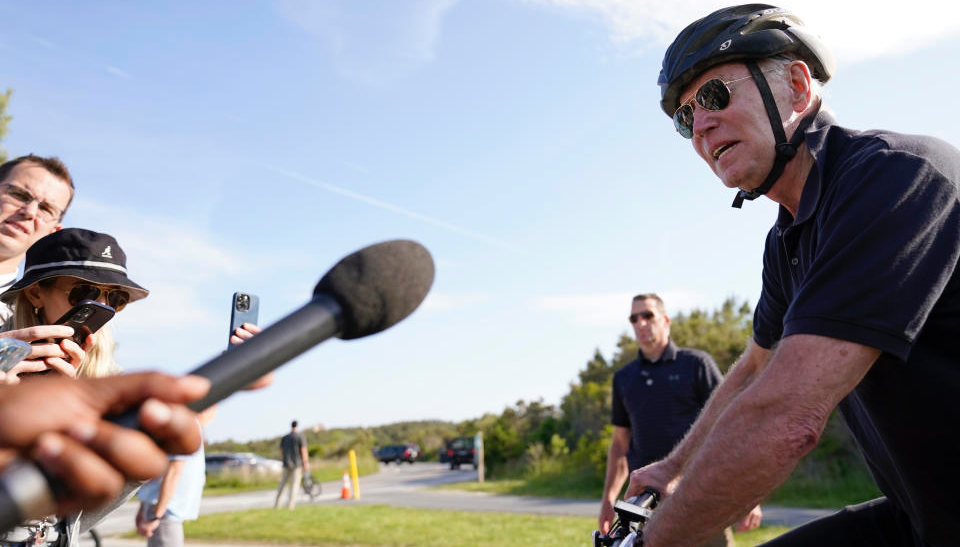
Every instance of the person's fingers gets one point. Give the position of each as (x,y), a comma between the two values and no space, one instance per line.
(174,426)
(130,452)
(74,353)
(42,351)
(89,480)
(261,382)
(119,393)
(25,367)
(39,332)
(251,328)
(61,366)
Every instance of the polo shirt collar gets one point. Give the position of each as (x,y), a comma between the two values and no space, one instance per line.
(669,354)
(816,137)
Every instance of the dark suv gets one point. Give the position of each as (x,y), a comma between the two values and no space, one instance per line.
(461,450)
(398,453)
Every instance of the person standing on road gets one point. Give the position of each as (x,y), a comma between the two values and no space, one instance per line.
(174,497)
(860,300)
(295,463)
(655,399)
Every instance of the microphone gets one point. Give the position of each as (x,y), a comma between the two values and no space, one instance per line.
(364,293)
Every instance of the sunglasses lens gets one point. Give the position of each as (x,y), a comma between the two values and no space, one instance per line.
(83,292)
(713,95)
(118,299)
(683,121)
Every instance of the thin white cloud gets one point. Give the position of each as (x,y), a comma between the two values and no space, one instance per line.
(392,208)
(611,309)
(444,302)
(853,31)
(407,33)
(118,72)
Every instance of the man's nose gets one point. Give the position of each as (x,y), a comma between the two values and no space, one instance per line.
(703,120)
(30,208)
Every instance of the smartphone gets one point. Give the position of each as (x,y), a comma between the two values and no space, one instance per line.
(86,318)
(245,309)
(12,352)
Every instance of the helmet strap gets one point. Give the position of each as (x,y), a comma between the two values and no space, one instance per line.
(786,150)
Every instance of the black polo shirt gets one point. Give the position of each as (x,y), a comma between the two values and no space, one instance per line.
(872,258)
(659,400)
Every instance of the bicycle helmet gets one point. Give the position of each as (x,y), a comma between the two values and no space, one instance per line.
(745,33)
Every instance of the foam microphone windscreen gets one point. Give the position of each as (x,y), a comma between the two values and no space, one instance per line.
(378,285)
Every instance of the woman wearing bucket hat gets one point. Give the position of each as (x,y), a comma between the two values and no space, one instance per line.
(61,270)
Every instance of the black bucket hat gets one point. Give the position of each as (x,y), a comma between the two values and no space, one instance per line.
(74,252)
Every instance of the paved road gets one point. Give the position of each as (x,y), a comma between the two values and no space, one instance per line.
(408,486)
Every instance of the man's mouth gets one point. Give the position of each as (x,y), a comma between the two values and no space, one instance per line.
(16,226)
(723,149)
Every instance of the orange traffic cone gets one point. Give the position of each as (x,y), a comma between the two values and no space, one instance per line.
(345,491)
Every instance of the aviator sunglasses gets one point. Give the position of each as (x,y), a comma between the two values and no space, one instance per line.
(116,298)
(713,95)
(648,315)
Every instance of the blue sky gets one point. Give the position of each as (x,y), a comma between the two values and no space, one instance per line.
(249,145)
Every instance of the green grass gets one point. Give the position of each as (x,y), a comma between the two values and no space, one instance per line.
(382,526)
(799,491)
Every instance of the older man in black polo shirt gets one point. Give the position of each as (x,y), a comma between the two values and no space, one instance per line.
(655,399)
(860,304)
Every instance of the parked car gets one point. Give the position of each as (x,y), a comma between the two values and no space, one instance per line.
(460,451)
(243,463)
(398,453)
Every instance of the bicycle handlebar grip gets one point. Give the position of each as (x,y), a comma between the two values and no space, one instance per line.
(647,499)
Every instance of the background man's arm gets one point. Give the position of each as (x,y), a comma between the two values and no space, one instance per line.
(661,474)
(304,455)
(617,472)
(758,439)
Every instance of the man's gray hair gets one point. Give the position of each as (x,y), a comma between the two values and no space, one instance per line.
(779,63)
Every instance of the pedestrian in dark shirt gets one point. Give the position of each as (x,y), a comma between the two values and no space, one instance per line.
(295,463)
(655,399)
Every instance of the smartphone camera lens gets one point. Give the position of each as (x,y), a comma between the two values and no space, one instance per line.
(82,315)
(243,302)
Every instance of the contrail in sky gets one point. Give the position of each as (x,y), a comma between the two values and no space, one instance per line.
(393,208)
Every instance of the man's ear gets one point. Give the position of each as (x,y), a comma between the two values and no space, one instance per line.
(801,91)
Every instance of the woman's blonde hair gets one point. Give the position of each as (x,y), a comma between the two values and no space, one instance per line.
(99,361)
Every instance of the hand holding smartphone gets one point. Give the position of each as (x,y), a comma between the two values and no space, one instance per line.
(245,309)
(86,318)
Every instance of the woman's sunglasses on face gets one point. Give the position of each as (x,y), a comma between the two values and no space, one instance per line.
(713,95)
(116,298)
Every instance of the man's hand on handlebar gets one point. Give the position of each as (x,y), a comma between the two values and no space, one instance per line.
(661,476)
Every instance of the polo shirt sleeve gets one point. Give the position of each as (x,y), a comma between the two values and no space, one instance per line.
(620,416)
(888,241)
(708,378)
(772,306)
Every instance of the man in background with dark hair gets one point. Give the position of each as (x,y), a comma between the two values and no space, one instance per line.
(295,462)
(655,399)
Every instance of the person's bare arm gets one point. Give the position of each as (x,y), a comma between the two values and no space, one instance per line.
(758,439)
(617,473)
(660,475)
(168,486)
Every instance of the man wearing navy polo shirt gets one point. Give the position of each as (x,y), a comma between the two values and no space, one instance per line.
(655,399)
(860,307)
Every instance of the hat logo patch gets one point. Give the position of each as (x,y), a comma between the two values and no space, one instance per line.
(106,253)
(725,45)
